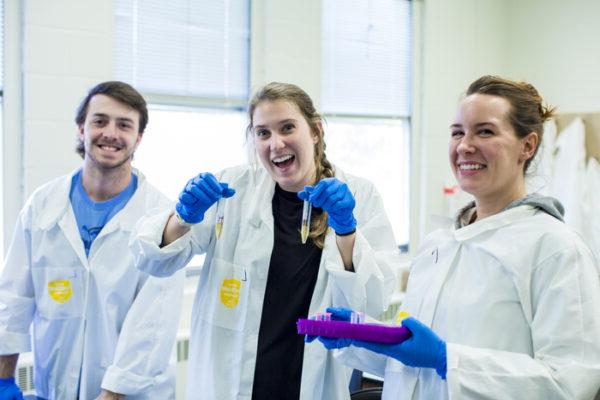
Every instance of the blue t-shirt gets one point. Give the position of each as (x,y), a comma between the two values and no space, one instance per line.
(91,216)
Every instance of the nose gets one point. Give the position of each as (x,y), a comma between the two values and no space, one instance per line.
(110,130)
(466,145)
(276,142)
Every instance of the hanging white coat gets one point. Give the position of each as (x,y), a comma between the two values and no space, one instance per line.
(568,173)
(95,319)
(228,304)
(516,297)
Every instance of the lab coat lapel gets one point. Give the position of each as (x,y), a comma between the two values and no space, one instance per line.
(68,225)
(58,211)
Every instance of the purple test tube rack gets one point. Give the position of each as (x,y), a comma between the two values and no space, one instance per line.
(342,329)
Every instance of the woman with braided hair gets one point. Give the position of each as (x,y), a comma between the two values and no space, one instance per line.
(258,277)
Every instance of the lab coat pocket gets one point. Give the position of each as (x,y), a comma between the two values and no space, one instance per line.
(225,301)
(59,292)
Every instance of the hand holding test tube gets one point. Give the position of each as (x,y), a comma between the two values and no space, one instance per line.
(336,199)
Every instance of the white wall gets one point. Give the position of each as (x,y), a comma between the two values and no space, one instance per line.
(555,44)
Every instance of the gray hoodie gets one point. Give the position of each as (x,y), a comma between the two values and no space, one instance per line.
(549,205)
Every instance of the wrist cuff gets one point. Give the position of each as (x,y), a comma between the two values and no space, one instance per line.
(182,221)
(442,367)
(347,233)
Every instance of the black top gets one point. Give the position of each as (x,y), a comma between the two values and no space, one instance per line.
(292,277)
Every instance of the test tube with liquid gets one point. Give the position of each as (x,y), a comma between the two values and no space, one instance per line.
(220,218)
(305,227)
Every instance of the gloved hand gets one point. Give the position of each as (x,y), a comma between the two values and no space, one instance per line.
(199,194)
(337,314)
(335,198)
(424,349)
(9,389)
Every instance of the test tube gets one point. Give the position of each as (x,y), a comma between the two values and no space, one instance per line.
(305,227)
(220,218)
(357,317)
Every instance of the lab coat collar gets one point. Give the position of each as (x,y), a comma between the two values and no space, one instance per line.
(58,204)
(494,222)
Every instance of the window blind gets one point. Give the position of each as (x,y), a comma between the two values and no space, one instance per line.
(196,48)
(366,57)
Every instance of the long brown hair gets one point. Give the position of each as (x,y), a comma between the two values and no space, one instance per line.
(277,91)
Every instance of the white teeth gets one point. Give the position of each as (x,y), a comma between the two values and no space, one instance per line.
(282,158)
(471,166)
(111,148)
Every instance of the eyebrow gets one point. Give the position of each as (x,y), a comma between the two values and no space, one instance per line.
(478,125)
(121,119)
(283,122)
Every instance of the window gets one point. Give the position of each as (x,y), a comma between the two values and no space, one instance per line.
(190,59)
(180,144)
(373,149)
(365,89)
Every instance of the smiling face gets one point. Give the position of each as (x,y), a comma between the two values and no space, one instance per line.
(110,134)
(486,156)
(285,144)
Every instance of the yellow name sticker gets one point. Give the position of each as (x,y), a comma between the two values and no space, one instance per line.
(230,292)
(60,290)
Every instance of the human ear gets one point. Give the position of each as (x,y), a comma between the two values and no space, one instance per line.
(529,145)
(139,139)
(318,135)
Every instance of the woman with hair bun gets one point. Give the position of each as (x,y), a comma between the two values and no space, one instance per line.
(505,304)
(258,277)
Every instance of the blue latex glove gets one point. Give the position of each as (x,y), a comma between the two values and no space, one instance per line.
(199,194)
(335,198)
(337,314)
(9,389)
(424,349)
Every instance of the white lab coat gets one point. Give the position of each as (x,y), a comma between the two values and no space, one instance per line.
(568,178)
(96,319)
(517,299)
(591,206)
(223,340)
